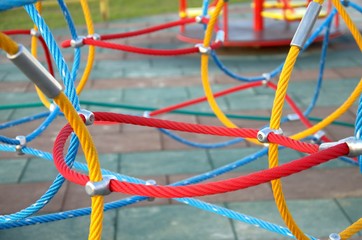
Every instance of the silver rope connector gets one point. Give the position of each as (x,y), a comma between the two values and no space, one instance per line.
(262,135)
(100,188)
(76,43)
(94,36)
(88,115)
(292,117)
(198,19)
(334,236)
(203,49)
(34,32)
(21,145)
(317,137)
(354,145)
(306,25)
(146,114)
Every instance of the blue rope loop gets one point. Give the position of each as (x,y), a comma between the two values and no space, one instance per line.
(9,4)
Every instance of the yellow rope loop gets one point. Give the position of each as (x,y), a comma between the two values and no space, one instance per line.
(92,49)
(211,24)
(333,116)
(276,115)
(8,45)
(91,157)
(350,24)
(351,230)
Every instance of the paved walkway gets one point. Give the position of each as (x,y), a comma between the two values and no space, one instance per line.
(323,200)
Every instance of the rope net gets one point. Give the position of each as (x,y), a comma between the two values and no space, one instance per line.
(62,100)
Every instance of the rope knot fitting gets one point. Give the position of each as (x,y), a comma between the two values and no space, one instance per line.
(88,115)
(263,134)
(100,188)
(21,145)
(94,36)
(318,136)
(34,32)
(203,49)
(354,145)
(334,236)
(76,43)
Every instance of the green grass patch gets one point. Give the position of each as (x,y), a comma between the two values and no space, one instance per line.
(119,9)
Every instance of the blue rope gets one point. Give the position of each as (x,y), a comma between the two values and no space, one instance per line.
(56,53)
(8,4)
(23,120)
(355,6)
(358,128)
(321,65)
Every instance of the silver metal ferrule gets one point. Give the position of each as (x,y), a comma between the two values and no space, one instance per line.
(36,72)
(306,25)
(148,183)
(88,115)
(334,236)
(262,135)
(203,49)
(22,143)
(100,188)
(354,145)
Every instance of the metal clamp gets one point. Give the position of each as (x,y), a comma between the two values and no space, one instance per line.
(199,19)
(318,136)
(88,115)
(149,183)
(34,32)
(293,117)
(100,188)
(203,49)
(52,107)
(262,135)
(146,114)
(354,145)
(22,143)
(267,78)
(94,36)
(306,25)
(334,236)
(76,43)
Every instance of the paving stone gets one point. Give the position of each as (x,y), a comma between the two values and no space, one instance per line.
(39,170)
(165,162)
(351,206)
(313,216)
(75,228)
(180,222)
(11,170)
(16,197)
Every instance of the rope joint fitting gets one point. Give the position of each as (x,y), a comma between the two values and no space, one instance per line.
(76,43)
(21,145)
(34,32)
(94,36)
(267,78)
(293,117)
(318,136)
(354,145)
(334,236)
(100,188)
(203,49)
(88,115)
(263,134)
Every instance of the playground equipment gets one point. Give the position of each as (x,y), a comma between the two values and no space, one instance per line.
(98,185)
(269,23)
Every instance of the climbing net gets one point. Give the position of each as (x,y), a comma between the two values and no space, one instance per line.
(100,182)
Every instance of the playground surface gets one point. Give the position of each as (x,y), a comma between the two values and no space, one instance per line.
(323,200)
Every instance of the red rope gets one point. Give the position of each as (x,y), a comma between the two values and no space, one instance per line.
(148,30)
(202,189)
(202,99)
(139,50)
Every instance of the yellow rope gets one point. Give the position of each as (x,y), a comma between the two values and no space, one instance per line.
(351,230)
(8,45)
(350,24)
(91,53)
(91,157)
(275,119)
